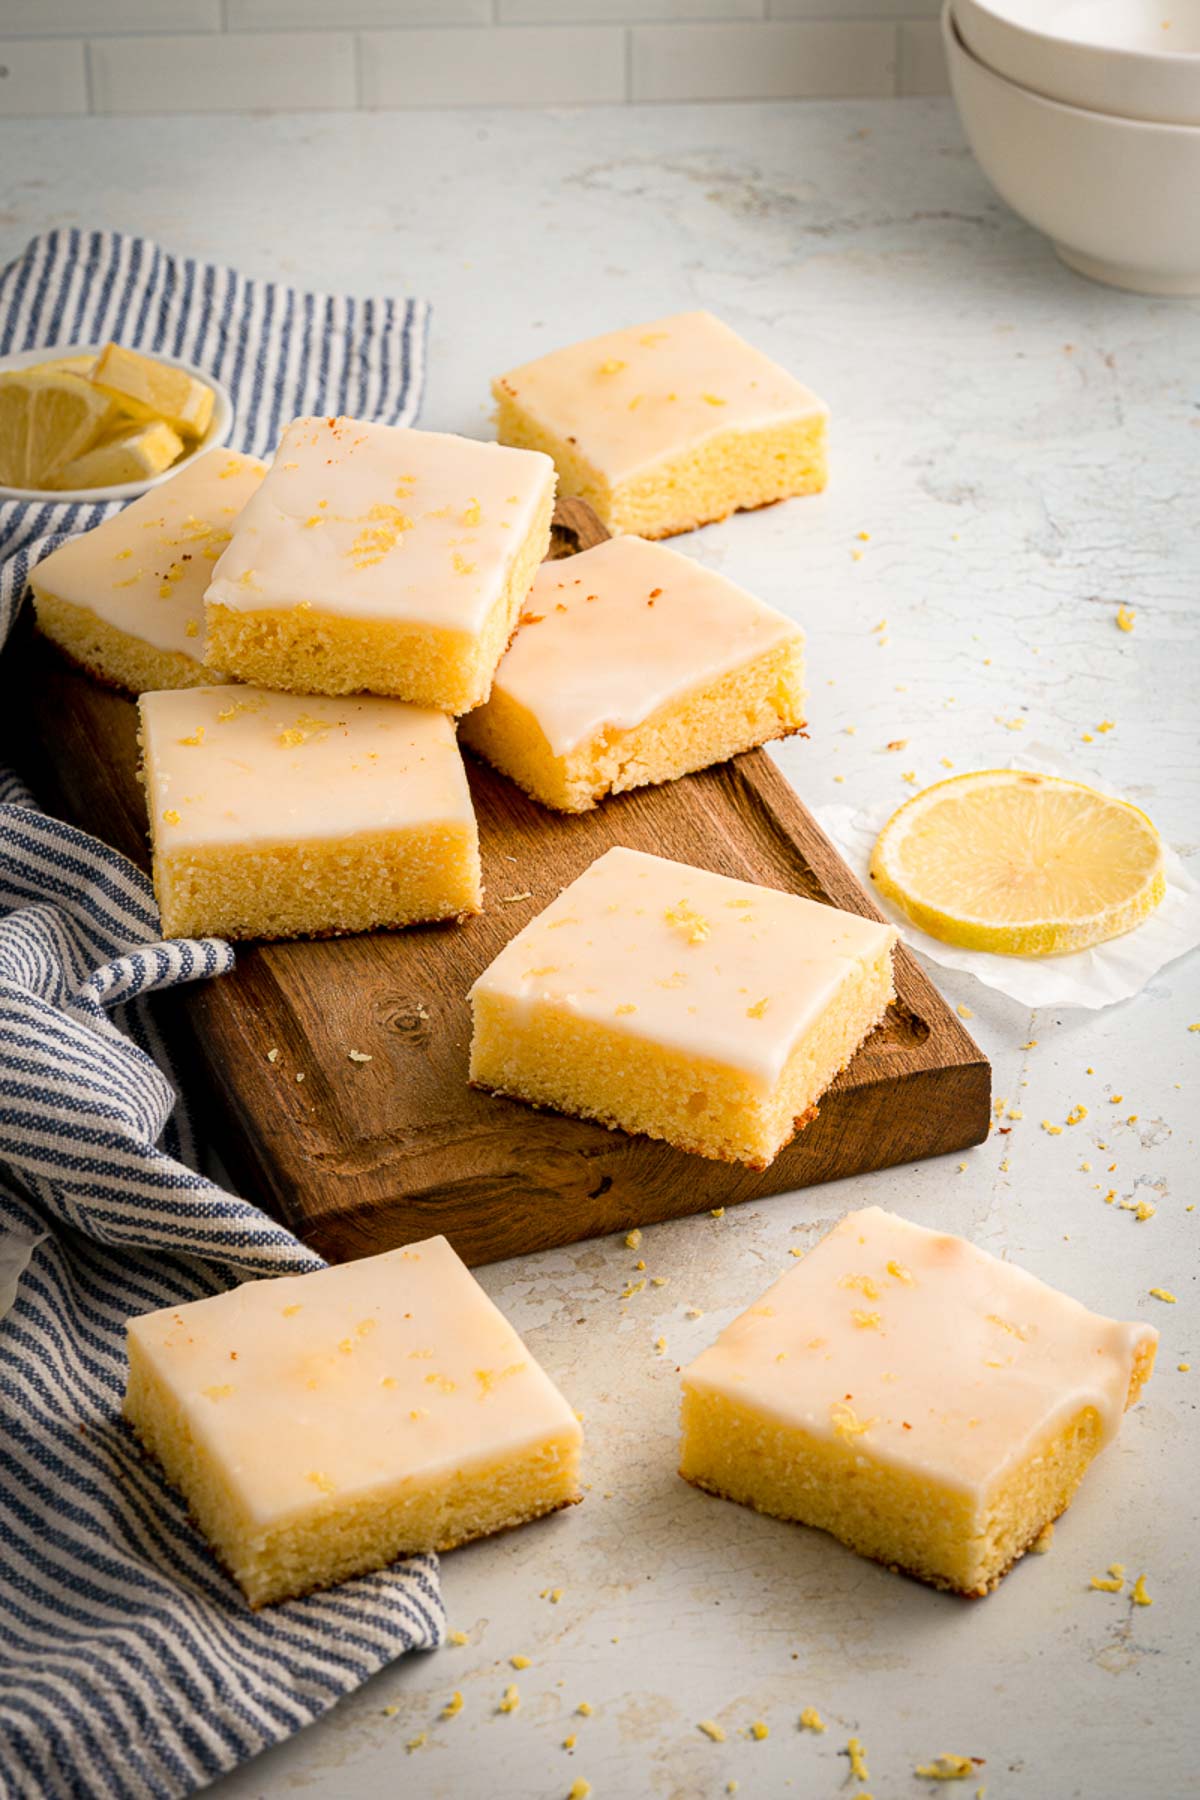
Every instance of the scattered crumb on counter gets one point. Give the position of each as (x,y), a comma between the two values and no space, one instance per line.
(711,1729)
(946,1767)
(856,1750)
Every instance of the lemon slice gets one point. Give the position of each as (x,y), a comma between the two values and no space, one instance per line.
(1020,864)
(47,416)
(149,390)
(131,455)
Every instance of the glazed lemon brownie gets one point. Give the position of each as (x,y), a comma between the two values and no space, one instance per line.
(126,600)
(689,1006)
(321,1425)
(666,426)
(275,817)
(381,560)
(633,664)
(931,1406)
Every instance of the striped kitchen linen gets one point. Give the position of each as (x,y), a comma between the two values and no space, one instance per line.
(130,1666)
(281,353)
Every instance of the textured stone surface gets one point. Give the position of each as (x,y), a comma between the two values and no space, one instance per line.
(1022,448)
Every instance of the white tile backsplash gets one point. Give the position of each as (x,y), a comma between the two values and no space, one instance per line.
(525,66)
(321,15)
(550,12)
(775,61)
(922,59)
(854,9)
(83,18)
(164,56)
(41,77)
(255,72)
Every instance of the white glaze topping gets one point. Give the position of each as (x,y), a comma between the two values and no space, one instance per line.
(304,1386)
(379,522)
(613,634)
(725,971)
(145,569)
(235,765)
(634,396)
(919,1348)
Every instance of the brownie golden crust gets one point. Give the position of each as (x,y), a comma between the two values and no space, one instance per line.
(273,816)
(634,665)
(668,1001)
(930,1406)
(372,1410)
(667,426)
(375,559)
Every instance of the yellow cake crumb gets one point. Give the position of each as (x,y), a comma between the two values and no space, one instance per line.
(510,1700)
(1139,1596)
(712,1730)
(585,1709)
(759,1730)
(963,1011)
(856,1750)
(946,1767)
(633,1239)
(1112,1583)
(417,1743)
(579,1789)
(1161,1293)
(520,1662)
(811,1720)
(1125,617)
(568,1743)
(453,1706)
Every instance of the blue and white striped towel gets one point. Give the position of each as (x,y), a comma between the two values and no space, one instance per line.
(130,1666)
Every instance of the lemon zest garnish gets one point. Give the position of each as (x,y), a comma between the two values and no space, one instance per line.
(946,1767)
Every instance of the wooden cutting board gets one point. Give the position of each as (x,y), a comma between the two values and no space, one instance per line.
(359,1157)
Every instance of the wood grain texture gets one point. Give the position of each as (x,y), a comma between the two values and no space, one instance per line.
(363,1156)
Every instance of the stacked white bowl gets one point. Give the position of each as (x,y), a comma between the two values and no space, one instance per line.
(1085,116)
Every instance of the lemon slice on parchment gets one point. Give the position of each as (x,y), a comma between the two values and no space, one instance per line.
(1019,863)
(48,415)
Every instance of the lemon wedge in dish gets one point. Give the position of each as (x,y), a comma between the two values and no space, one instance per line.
(48,415)
(1020,864)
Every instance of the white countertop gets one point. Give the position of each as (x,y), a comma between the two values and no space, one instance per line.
(1023,449)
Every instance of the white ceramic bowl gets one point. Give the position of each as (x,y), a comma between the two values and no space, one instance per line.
(217,434)
(1118,198)
(1138,59)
